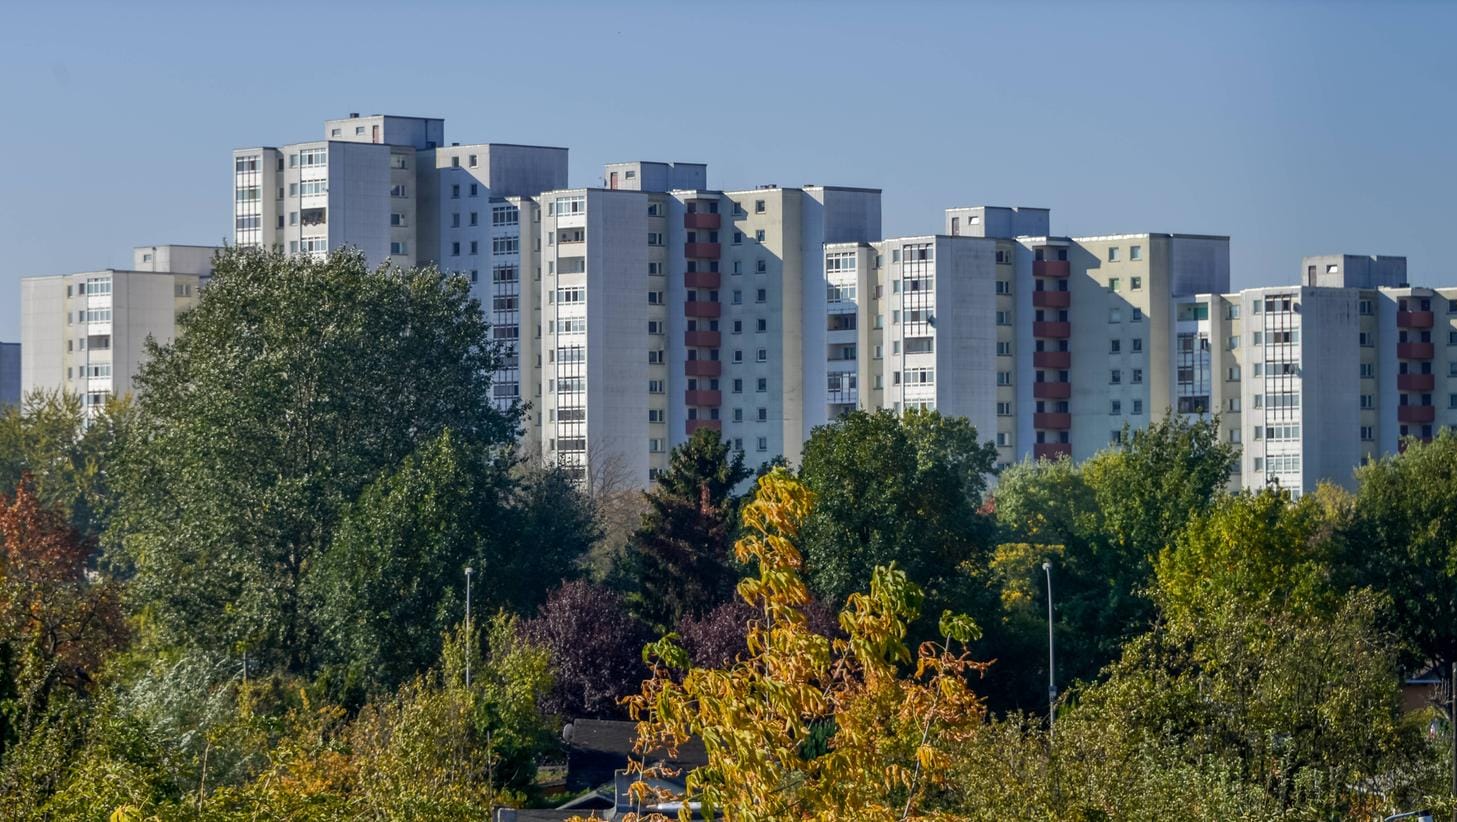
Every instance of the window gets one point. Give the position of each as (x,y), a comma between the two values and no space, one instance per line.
(1004,409)
(1137,376)
(1368,369)
(762,385)
(1137,315)
(1004,378)
(1004,318)
(401,248)
(455,249)
(1112,283)
(1138,408)
(455,191)
(759,235)
(1114,346)
(398,190)
(475,189)
(312,157)
(655,238)
(455,162)
(1368,401)
(763,443)
(1004,286)
(473,161)
(1368,433)
(762,355)
(655,298)
(1115,377)
(1137,344)
(761,325)
(738,240)
(738,386)
(1115,315)
(761,295)
(1004,348)
(475,247)
(1113,254)
(1232,343)
(763,415)
(1135,252)
(758,206)
(762,266)
(655,386)
(1115,408)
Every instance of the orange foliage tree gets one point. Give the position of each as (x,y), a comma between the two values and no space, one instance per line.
(56,622)
(801,726)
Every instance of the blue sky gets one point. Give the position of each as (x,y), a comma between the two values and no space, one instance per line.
(1295,128)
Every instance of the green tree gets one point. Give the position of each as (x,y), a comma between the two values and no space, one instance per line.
(390,583)
(1403,541)
(292,385)
(47,439)
(896,489)
(680,560)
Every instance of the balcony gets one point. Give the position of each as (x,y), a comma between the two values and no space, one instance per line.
(702,368)
(1052,390)
(703,398)
(701,251)
(1051,330)
(1415,382)
(702,339)
(1051,268)
(1052,450)
(701,308)
(1414,350)
(702,279)
(1052,359)
(1052,420)
(712,425)
(1414,319)
(701,220)
(1415,413)
(1051,299)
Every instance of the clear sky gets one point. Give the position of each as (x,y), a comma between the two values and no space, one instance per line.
(1295,128)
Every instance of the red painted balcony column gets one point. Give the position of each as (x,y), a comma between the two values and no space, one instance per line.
(694,425)
(701,308)
(1414,319)
(702,368)
(1051,330)
(1414,350)
(1415,413)
(702,279)
(1051,299)
(1052,359)
(701,251)
(701,220)
(1052,390)
(1052,420)
(702,339)
(1051,268)
(1416,382)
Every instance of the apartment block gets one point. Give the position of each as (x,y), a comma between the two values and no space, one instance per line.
(389,186)
(9,374)
(85,333)
(670,307)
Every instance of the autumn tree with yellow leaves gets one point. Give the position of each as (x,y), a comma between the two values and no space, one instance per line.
(801,726)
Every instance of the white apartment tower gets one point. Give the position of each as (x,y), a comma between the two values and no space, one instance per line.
(86,333)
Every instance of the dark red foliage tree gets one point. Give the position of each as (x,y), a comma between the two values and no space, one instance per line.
(595,646)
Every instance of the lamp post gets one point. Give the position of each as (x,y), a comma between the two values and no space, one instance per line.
(469,637)
(1051,671)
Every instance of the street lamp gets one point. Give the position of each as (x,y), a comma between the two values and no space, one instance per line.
(469,638)
(1051,671)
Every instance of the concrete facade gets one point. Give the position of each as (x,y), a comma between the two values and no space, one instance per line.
(9,374)
(86,333)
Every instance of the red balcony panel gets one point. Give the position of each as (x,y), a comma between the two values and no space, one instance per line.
(702,368)
(1052,299)
(701,308)
(1414,350)
(694,425)
(1414,319)
(1051,268)
(1052,359)
(1052,450)
(1051,330)
(1415,382)
(1052,420)
(1052,390)
(701,251)
(701,220)
(703,398)
(1415,413)
(702,339)
(702,279)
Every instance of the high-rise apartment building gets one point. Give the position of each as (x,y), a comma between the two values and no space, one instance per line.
(668,307)
(9,374)
(85,333)
(388,186)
